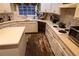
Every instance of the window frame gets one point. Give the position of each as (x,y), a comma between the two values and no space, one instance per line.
(26,9)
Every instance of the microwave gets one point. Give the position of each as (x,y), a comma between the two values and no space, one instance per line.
(74,34)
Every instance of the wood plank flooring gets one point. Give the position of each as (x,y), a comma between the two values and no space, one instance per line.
(38,45)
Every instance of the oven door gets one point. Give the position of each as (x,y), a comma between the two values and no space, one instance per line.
(72,32)
(74,35)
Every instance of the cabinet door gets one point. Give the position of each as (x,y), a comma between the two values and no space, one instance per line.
(22,45)
(55,45)
(31,27)
(58,50)
(5,7)
(76,16)
(5,25)
(48,37)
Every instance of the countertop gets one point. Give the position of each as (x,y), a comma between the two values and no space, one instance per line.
(24,20)
(10,36)
(18,32)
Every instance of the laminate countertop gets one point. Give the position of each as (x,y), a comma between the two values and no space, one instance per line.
(24,20)
(17,32)
(10,36)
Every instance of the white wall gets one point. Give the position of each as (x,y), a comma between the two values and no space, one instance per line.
(50,7)
(55,7)
(45,7)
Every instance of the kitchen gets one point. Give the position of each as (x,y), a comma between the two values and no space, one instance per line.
(39,29)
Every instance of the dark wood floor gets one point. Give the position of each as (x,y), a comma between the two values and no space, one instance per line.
(38,45)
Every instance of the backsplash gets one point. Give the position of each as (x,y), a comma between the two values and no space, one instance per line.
(76,22)
(67,16)
(6,16)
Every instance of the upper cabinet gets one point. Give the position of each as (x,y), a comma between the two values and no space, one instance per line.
(76,16)
(70,5)
(50,7)
(5,7)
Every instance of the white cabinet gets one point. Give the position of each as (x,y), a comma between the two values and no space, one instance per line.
(5,25)
(57,46)
(18,50)
(29,26)
(23,44)
(76,16)
(5,7)
(14,41)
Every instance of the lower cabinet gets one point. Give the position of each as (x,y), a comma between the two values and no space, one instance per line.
(29,26)
(58,48)
(23,44)
(19,50)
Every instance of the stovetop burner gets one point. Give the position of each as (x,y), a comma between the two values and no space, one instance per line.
(55,26)
(62,31)
(67,29)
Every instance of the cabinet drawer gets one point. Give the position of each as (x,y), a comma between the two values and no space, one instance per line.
(48,27)
(58,47)
(48,36)
(52,38)
(62,46)
(53,43)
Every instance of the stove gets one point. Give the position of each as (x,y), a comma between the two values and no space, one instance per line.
(61,30)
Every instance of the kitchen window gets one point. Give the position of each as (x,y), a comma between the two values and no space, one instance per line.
(26,9)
